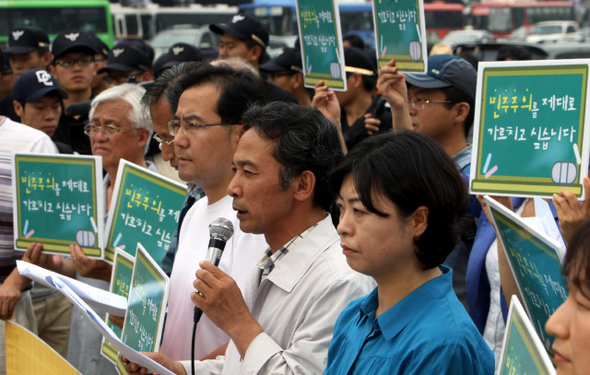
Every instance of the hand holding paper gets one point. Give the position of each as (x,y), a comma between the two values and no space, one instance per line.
(87,267)
(326,102)
(136,369)
(392,86)
(571,213)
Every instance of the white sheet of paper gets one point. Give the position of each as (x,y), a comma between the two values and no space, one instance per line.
(131,354)
(101,299)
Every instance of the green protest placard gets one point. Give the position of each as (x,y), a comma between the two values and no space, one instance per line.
(120,284)
(522,351)
(399,34)
(58,201)
(145,208)
(321,43)
(535,261)
(529,135)
(148,297)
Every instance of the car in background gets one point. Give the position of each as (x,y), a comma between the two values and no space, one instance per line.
(555,31)
(457,37)
(201,37)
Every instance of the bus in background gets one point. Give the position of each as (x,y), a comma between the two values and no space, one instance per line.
(145,22)
(280,17)
(501,19)
(441,17)
(55,16)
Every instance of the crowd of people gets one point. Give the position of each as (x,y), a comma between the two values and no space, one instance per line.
(357,248)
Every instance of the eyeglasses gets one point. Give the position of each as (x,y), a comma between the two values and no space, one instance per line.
(189,127)
(418,104)
(159,139)
(66,63)
(107,130)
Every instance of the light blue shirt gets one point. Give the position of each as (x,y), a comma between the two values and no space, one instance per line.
(427,332)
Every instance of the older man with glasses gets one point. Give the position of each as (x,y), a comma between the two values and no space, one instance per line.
(119,128)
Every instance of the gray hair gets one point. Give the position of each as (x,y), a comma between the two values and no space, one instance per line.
(131,94)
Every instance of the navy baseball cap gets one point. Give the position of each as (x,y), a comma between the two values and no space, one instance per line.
(34,84)
(26,39)
(177,54)
(244,27)
(446,71)
(100,47)
(290,59)
(72,41)
(125,57)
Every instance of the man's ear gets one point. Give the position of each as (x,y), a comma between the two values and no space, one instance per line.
(146,77)
(304,186)
(46,58)
(256,52)
(297,80)
(462,111)
(51,69)
(18,108)
(144,136)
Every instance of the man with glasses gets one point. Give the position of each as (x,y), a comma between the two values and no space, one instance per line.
(208,103)
(73,66)
(127,64)
(158,106)
(441,105)
(119,128)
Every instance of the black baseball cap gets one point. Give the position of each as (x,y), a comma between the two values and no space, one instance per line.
(290,59)
(125,57)
(26,39)
(244,27)
(100,47)
(72,41)
(34,84)
(357,61)
(177,54)
(446,71)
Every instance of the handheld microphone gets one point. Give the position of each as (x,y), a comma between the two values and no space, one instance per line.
(220,231)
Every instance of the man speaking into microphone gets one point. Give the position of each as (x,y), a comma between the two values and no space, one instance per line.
(293,296)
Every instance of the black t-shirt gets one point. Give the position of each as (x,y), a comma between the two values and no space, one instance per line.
(7,109)
(357,132)
(71,130)
(273,93)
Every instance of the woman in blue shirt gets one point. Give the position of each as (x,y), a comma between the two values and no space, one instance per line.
(401,199)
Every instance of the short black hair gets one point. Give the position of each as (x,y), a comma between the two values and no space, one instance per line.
(238,88)
(454,95)
(304,139)
(355,41)
(410,170)
(576,265)
(158,88)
